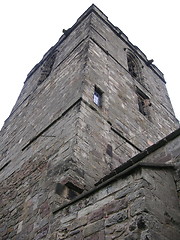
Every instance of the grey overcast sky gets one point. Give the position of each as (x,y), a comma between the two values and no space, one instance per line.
(30,27)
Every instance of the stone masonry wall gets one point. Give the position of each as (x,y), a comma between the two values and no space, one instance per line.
(142,205)
(28,194)
(169,153)
(114,62)
(57,143)
(86,57)
(107,68)
(139,204)
(110,135)
(40,106)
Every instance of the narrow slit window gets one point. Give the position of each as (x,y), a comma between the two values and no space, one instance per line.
(132,68)
(144,103)
(97,98)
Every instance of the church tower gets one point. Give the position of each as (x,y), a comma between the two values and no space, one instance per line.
(93,102)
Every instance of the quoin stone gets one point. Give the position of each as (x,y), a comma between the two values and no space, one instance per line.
(91,149)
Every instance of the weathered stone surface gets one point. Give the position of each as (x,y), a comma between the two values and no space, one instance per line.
(117,218)
(57,143)
(93,227)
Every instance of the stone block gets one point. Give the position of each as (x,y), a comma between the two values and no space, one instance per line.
(20,225)
(123,192)
(95,206)
(116,206)
(97,236)
(93,228)
(138,206)
(78,223)
(116,218)
(68,218)
(97,215)
(42,233)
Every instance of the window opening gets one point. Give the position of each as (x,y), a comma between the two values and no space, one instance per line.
(47,67)
(134,67)
(97,97)
(143,103)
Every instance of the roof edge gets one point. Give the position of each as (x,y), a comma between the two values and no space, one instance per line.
(137,158)
(122,174)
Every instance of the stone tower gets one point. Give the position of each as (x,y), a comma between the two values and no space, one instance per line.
(93,102)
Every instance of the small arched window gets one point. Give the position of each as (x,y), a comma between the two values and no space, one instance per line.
(134,67)
(47,67)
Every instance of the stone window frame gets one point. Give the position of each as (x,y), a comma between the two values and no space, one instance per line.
(46,67)
(98,96)
(134,67)
(144,103)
